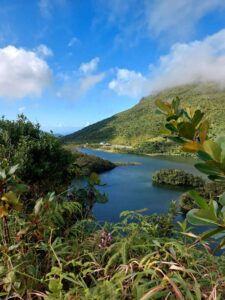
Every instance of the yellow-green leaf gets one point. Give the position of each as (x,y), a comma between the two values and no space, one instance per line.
(213,149)
(10,197)
(3,211)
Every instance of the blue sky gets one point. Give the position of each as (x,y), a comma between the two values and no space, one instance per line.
(70,63)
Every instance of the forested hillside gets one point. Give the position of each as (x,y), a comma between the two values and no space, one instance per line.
(140,123)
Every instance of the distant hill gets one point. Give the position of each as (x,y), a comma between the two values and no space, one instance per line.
(141,123)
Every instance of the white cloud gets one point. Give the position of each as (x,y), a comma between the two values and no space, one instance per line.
(89,66)
(198,61)
(129,83)
(74,40)
(186,63)
(43,50)
(22,73)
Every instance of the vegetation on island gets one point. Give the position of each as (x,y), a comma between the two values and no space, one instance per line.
(175,177)
(185,180)
(53,248)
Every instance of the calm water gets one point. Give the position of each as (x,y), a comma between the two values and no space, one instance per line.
(130,187)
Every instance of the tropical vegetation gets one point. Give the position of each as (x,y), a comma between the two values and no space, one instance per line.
(53,248)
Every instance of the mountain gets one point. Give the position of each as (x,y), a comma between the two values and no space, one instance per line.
(140,123)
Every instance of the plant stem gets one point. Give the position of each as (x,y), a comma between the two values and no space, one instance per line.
(6,235)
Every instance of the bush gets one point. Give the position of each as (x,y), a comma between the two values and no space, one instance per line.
(43,161)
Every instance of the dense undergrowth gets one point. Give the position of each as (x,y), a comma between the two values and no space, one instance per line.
(53,248)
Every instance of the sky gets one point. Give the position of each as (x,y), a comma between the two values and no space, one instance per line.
(70,63)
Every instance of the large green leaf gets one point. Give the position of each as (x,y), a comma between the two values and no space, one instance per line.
(203,155)
(221,141)
(186,130)
(171,127)
(198,199)
(212,233)
(204,216)
(163,106)
(10,197)
(209,213)
(222,199)
(194,219)
(197,117)
(175,104)
(208,168)
(203,131)
(213,149)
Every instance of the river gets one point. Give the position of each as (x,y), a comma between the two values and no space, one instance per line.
(130,187)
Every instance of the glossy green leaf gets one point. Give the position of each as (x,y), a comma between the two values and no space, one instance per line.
(165,131)
(175,104)
(172,117)
(171,127)
(222,199)
(203,131)
(194,219)
(10,197)
(186,130)
(212,233)
(207,168)
(198,199)
(213,149)
(217,178)
(203,155)
(198,115)
(163,106)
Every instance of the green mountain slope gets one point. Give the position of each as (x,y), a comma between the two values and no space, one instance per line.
(141,123)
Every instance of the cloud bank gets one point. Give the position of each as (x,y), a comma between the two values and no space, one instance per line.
(186,63)
(22,73)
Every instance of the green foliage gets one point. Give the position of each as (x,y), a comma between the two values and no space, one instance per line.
(208,191)
(54,253)
(41,157)
(49,261)
(190,127)
(88,164)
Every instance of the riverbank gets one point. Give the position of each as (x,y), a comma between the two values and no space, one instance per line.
(127,150)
